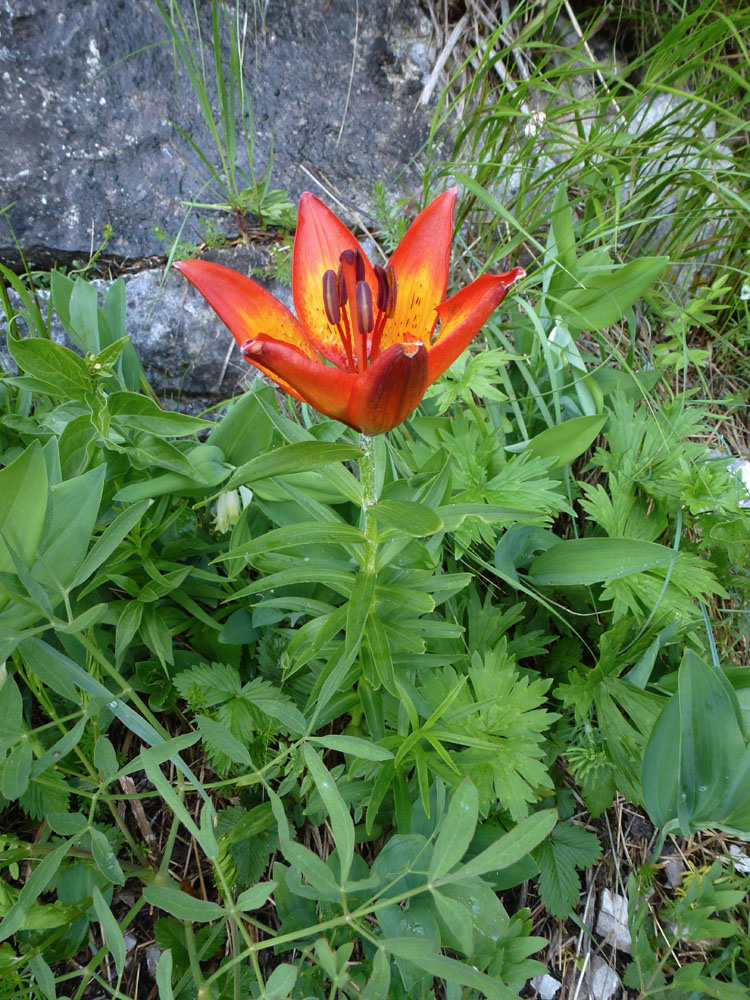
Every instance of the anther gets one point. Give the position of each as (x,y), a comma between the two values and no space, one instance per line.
(390,275)
(331,298)
(364,308)
(382,301)
(341,279)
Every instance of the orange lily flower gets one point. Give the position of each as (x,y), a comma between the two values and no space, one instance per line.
(373,324)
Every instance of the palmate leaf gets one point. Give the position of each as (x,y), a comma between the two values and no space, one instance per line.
(499,721)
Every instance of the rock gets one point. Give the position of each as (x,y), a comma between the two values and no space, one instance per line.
(153,954)
(612,920)
(673,869)
(87,141)
(601,980)
(546,986)
(190,358)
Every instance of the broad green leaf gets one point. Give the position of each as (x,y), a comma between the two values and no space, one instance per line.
(456,831)
(509,848)
(105,758)
(352,745)
(583,561)
(406,516)
(561,242)
(181,905)
(376,987)
(292,535)
(280,983)
(164,975)
(341,821)
(291,458)
(417,950)
(33,887)
(44,976)
(457,919)
(109,539)
(76,444)
(84,316)
(317,873)
(23,505)
(606,297)
(104,857)
(74,506)
(57,370)
(110,930)
(17,771)
(563,442)
(132,409)
(244,431)
(255,897)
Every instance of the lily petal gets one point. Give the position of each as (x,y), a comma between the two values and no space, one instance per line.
(320,240)
(243,305)
(327,389)
(421,263)
(463,315)
(390,389)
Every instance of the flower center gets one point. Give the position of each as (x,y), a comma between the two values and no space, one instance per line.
(348,305)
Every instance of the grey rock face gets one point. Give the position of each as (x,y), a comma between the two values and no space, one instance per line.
(88,88)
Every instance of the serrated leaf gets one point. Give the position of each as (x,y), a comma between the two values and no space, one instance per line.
(570,847)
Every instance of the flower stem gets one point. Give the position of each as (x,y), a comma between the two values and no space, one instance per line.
(369,499)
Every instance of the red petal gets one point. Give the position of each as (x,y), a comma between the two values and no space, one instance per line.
(463,315)
(421,262)
(320,240)
(327,389)
(390,389)
(243,305)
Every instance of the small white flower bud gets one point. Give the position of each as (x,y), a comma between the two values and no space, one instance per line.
(228,510)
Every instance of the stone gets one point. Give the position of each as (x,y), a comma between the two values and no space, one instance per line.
(87,140)
(601,980)
(612,920)
(546,987)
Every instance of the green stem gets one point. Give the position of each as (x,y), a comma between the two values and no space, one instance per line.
(369,499)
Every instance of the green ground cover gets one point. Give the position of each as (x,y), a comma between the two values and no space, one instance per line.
(393,782)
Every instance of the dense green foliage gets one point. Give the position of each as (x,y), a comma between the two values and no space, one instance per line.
(322,704)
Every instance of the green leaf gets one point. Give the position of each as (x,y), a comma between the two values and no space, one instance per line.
(105,758)
(583,561)
(84,316)
(244,431)
(301,457)
(292,535)
(23,505)
(33,887)
(605,297)
(357,611)
(110,930)
(376,987)
(17,771)
(109,539)
(696,753)
(131,409)
(317,873)
(74,506)
(418,951)
(341,822)
(181,905)
(44,976)
(255,897)
(509,848)
(568,848)
(220,737)
(55,370)
(104,857)
(564,442)
(280,983)
(204,836)
(411,518)
(456,831)
(352,745)
(457,919)
(164,975)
